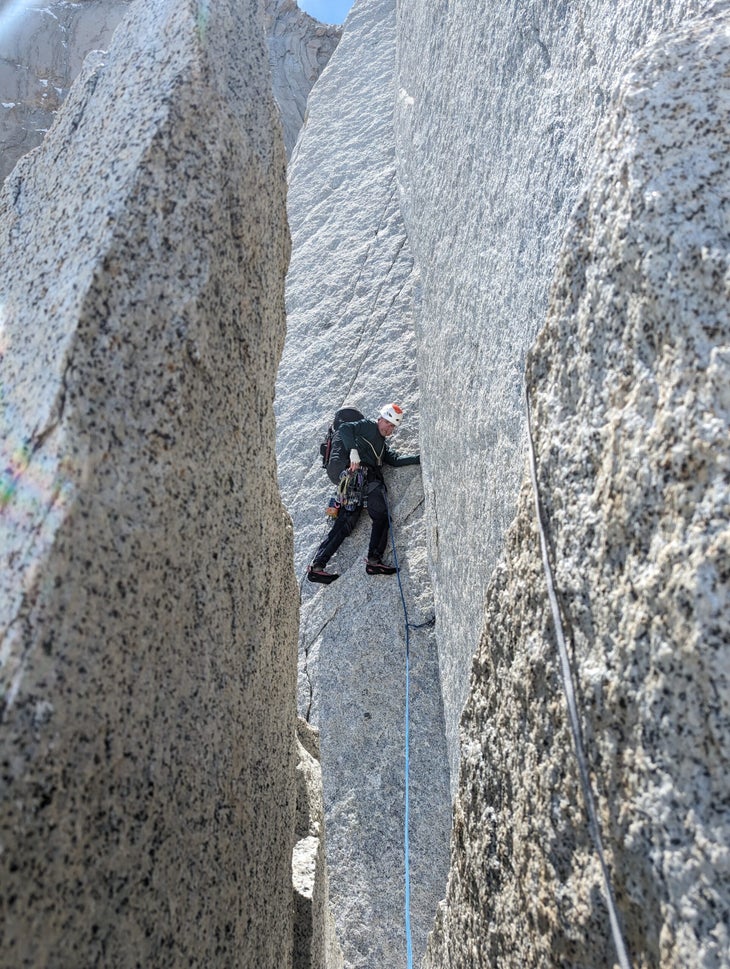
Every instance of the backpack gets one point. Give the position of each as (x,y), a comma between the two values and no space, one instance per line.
(335,459)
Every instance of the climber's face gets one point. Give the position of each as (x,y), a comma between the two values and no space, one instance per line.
(385,427)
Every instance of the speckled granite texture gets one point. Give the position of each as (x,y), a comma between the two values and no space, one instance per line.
(147,602)
(629,383)
(497,108)
(315,941)
(350,340)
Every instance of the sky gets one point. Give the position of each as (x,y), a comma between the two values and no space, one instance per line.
(328,11)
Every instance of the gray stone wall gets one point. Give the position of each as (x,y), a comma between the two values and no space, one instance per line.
(315,940)
(299,50)
(350,340)
(497,106)
(147,602)
(42,48)
(629,387)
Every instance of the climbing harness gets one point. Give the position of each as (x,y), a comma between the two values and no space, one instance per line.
(568,687)
(406,824)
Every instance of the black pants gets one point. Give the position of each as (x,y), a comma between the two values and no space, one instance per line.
(343,526)
(346,521)
(378,511)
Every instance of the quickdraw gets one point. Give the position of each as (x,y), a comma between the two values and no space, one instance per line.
(350,489)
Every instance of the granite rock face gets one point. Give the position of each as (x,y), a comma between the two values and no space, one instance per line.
(42,48)
(299,50)
(147,604)
(350,341)
(433,295)
(315,941)
(497,109)
(629,387)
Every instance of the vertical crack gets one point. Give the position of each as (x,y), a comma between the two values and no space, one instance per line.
(310,685)
(305,649)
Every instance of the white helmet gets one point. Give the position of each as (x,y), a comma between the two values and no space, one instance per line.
(391,413)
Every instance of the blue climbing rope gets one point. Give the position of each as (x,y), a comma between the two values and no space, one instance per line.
(406,822)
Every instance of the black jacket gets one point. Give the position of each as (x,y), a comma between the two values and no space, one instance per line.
(372,447)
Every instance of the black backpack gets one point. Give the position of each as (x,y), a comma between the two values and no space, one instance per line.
(335,458)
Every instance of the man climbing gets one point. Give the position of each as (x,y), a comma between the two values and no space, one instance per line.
(366,440)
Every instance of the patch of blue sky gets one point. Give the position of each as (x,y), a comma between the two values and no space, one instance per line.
(328,11)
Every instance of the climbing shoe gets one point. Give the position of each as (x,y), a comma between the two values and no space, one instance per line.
(316,573)
(376,567)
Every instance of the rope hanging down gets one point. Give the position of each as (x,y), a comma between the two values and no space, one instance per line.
(406,821)
(569,689)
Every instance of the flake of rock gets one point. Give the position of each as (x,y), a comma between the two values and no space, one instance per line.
(148,621)
(315,941)
(628,382)
(497,107)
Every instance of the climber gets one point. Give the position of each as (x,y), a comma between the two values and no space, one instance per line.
(366,440)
